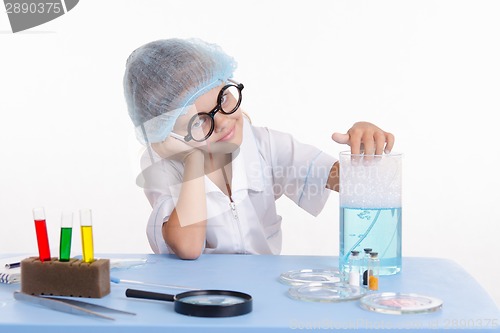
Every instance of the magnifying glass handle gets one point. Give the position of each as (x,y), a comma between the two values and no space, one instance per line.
(134,293)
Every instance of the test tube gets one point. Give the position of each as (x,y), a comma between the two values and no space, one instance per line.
(66,232)
(87,238)
(354,267)
(373,271)
(41,234)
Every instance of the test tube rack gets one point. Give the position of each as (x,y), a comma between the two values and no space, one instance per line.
(73,278)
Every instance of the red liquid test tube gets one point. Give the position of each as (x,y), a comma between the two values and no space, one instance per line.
(41,234)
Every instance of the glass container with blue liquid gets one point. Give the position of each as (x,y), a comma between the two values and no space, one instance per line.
(370,208)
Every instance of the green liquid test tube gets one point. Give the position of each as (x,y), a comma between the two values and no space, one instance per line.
(87,237)
(66,232)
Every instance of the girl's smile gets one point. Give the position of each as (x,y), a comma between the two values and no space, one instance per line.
(228,136)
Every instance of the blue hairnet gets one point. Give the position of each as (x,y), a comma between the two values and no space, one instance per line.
(163,78)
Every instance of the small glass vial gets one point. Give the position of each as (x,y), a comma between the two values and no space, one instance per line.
(364,266)
(373,271)
(354,268)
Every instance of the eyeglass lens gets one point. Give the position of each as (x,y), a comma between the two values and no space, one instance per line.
(229,99)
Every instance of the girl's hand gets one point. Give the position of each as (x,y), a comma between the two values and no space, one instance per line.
(364,137)
(174,149)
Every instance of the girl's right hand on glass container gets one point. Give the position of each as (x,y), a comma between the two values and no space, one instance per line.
(366,138)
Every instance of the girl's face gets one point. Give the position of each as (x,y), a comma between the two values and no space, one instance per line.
(228,128)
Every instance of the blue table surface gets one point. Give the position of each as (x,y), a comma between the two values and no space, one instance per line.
(466,304)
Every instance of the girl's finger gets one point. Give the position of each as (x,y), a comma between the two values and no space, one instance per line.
(379,143)
(390,142)
(340,138)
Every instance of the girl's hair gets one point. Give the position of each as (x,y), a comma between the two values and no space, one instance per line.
(162,78)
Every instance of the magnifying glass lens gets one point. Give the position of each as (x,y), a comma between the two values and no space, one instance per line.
(212,300)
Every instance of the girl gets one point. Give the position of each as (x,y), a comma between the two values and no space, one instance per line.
(212,178)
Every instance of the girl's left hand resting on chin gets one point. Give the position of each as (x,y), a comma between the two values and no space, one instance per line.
(365,137)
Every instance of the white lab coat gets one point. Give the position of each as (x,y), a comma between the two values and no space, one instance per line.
(267,165)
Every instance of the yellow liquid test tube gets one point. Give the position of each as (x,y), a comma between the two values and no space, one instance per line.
(87,237)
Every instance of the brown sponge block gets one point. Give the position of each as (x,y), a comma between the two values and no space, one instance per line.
(72,278)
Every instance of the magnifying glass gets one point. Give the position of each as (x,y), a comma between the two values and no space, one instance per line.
(202,303)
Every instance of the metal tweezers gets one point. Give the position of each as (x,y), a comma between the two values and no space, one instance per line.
(68,305)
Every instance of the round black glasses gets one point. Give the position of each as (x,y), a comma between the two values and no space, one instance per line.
(202,125)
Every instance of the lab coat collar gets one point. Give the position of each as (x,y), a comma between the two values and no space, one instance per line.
(247,165)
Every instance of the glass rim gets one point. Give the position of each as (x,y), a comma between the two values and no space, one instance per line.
(348,153)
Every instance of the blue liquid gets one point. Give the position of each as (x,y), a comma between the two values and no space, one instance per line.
(375,228)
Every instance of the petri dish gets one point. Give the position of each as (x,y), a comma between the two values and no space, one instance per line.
(302,276)
(400,303)
(326,292)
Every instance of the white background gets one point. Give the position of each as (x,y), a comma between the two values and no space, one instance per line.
(428,71)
